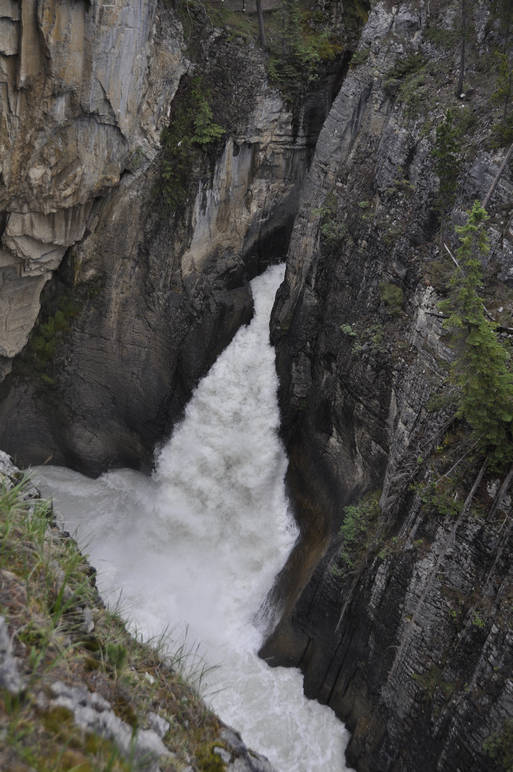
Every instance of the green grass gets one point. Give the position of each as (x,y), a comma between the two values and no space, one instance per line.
(45,583)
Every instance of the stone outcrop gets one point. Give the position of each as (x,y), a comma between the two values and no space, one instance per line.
(10,677)
(72,113)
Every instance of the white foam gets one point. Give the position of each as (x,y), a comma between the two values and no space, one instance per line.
(199,545)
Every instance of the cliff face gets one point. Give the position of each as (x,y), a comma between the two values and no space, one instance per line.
(72,115)
(149,268)
(404,624)
(401,619)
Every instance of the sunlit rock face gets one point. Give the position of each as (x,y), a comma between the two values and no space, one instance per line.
(83,86)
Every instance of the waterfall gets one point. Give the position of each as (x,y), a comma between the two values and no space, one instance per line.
(198,546)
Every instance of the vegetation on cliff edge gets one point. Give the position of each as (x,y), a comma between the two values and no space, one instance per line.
(61,633)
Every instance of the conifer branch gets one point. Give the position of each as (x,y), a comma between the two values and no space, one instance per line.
(499,327)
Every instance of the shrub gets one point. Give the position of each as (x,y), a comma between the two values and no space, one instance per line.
(392,296)
(357,522)
(191,130)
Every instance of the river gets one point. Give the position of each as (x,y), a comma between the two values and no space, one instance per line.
(195,549)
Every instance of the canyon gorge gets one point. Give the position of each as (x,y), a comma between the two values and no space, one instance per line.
(156,158)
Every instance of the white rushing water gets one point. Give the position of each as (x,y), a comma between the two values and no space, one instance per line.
(198,546)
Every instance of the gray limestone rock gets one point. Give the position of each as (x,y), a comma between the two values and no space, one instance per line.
(159,725)
(93,713)
(10,677)
(241,759)
(387,644)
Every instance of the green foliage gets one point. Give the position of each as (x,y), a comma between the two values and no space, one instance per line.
(191,130)
(237,25)
(480,370)
(478,621)
(502,133)
(354,531)
(402,69)
(433,683)
(446,151)
(360,57)
(502,11)
(303,43)
(503,92)
(347,329)
(209,760)
(440,37)
(332,229)
(205,130)
(466,120)
(499,746)
(414,93)
(439,497)
(392,296)
(116,654)
(372,339)
(42,346)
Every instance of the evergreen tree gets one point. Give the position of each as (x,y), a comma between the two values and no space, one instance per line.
(480,369)
(447,146)
(463,45)
(503,93)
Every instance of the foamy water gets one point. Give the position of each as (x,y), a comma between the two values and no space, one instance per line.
(197,547)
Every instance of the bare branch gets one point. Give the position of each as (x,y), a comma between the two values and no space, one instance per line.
(458,266)
(495,182)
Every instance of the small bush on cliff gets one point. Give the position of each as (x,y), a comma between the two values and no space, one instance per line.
(191,130)
(355,529)
(480,369)
(332,229)
(392,296)
(402,70)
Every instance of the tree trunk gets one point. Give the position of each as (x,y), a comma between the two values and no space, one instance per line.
(497,177)
(459,89)
(261,29)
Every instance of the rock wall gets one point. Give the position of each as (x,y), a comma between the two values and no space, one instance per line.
(406,629)
(143,295)
(401,620)
(71,115)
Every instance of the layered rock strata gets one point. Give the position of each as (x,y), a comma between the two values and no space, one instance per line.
(405,627)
